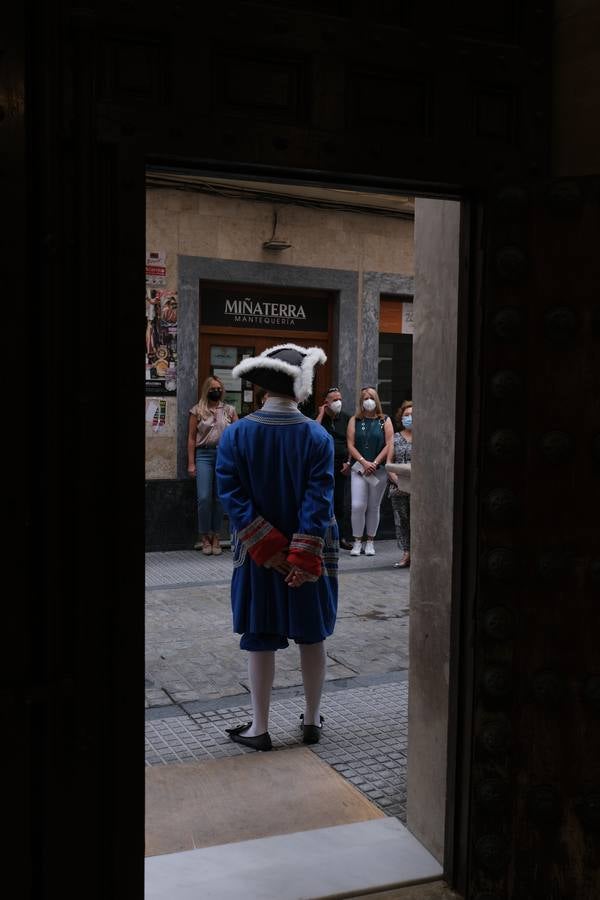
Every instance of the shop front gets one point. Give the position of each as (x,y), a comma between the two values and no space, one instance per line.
(209,304)
(239,320)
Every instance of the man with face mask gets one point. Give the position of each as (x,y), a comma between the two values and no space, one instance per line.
(335,421)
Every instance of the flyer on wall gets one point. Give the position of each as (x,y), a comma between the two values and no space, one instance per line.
(161,341)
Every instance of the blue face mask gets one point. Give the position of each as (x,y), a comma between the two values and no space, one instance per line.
(407,421)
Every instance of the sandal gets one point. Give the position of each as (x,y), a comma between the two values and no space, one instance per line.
(403,564)
(260,742)
(216,546)
(207,547)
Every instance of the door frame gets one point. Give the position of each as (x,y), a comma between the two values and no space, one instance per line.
(459,724)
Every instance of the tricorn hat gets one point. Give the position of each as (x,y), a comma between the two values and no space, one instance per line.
(286,369)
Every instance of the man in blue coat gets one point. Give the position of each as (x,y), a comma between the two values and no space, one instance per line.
(275,478)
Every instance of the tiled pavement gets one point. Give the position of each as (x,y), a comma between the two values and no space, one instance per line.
(364,738)
(190,567)
(186,567)
(196,675)
(192,654)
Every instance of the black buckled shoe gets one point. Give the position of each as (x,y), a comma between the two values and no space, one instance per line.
(311,734)
(260,742)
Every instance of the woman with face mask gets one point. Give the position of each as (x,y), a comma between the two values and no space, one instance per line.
(370,433)
(208,420)
(400,451)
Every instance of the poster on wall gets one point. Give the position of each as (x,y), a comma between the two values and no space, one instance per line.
(229,382)
(156,414)
(161,341)
(223,356)
(408,322)
(156,269)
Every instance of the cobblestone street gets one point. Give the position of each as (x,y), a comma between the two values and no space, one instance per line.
(196,679)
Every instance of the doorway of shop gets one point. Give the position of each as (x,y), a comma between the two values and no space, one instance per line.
(387,771)
(238,321)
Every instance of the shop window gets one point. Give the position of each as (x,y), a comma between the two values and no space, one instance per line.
(238,392)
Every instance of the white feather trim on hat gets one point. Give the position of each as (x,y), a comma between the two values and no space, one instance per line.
(302,375)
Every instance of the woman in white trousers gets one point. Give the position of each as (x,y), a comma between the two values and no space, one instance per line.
(370,434)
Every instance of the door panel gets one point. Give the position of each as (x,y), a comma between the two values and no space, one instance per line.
(218,355)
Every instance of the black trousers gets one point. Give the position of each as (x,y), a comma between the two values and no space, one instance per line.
(341,498)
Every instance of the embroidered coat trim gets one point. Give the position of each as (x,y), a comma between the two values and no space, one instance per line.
(262,540)
(306,552)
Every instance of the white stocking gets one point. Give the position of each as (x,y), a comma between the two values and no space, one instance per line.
(261,672)
(313,661)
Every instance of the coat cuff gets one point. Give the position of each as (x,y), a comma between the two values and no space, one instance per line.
(306,552)
(262,540)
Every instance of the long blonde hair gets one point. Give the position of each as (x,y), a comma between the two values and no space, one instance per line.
(203,407)
(375,396)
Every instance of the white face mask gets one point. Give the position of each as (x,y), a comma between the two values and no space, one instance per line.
(369,404)
(335,406)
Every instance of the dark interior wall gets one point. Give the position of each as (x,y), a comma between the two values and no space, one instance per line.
(333,90)
(576,36)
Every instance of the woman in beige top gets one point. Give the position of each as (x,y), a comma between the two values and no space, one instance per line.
(208,420)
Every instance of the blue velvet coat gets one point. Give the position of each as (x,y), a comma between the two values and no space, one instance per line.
(279,465)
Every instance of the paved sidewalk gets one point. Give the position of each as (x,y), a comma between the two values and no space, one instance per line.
(364,737)
(196,676)
(193,655)
(176,568)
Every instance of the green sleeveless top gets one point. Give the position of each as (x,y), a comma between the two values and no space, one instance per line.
(369,437)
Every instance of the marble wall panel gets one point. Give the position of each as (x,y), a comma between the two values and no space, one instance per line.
(374,284)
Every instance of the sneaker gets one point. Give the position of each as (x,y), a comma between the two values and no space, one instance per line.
(369,549)
(356,548)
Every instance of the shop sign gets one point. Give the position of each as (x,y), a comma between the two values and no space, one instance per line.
(234,309)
